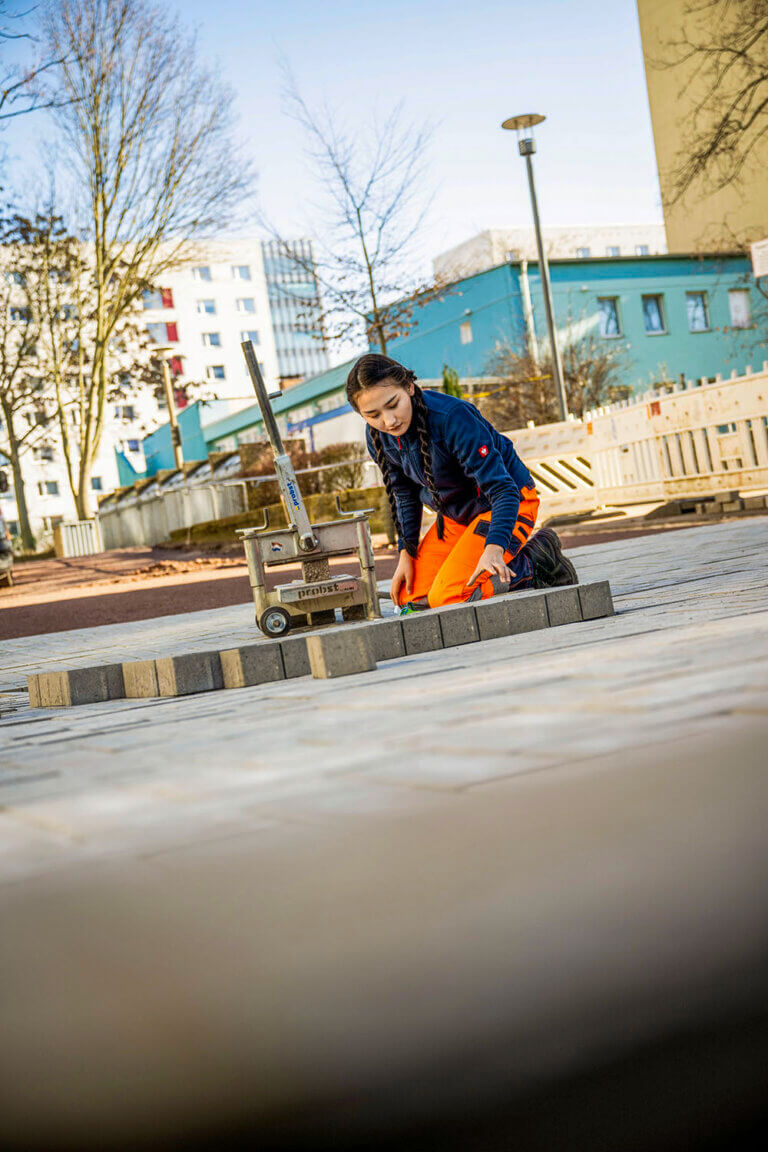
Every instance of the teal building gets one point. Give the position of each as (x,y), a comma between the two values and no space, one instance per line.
(670,316)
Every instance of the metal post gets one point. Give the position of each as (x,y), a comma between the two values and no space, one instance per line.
(178,458)
(530,329)
(527,148)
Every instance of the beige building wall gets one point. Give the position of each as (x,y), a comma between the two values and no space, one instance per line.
(703,220)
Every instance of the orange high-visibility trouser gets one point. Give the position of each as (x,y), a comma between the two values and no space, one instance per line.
(442,567)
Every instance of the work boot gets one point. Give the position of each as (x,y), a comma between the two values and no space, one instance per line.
(551,568)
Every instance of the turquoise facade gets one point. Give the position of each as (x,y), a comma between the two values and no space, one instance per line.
(158,449)
(491,304)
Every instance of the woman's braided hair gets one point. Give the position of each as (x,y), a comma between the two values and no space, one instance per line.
(373,369)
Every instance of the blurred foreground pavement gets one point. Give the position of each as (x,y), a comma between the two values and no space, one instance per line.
(510,895)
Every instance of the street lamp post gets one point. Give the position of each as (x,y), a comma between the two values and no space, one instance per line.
(178,458)
(523,125)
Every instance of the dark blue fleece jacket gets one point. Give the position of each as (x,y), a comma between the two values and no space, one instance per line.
(474,467)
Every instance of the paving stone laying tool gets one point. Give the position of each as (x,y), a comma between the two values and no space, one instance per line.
(311,601)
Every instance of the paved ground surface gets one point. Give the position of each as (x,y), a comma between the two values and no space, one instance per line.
(547,849)
(140,583)
(688,647)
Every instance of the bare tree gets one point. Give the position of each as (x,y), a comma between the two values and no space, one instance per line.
(723,51)
(149,133)
(22,85)
(61,295)
(368,217)
(524,391)
(25,405)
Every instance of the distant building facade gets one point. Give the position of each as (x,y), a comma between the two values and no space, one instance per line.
(295,307)
(201,312)
(670,316)
(702,220)
(496,245)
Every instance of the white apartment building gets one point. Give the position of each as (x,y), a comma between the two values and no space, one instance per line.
(232,291)
(498,245)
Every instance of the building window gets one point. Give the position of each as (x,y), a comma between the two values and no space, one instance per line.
(202,272)
(208,306)
(653,315)
(172,332)
(125,412)
(608,311)
(132,445)
(212,339)
(157,332)
(698,312)
(215,372)
(465,332)
(246,304)
(48,488)
(167,297)
(152,298)
(21,314)
(251,335)
(641,249)
(96,484)
(241,272)
(176,365)
(583,253)
(613,250)
(738,302)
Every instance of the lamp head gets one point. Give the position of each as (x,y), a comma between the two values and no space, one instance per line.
(523,126)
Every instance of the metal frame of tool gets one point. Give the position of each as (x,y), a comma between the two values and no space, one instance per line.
(311,601)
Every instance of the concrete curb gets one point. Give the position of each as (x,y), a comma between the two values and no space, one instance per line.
(340,651)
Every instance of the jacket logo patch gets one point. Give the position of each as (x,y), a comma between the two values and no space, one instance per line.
(483,450)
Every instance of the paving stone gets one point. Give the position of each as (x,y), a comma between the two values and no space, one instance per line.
(81,686)
(511,614)
(295,656)
(192,672)
(340,653)
(421,632)
(458,624)
(386,637)
(33,687)
(596,600)
(252,664)
(140,677)
(563,606)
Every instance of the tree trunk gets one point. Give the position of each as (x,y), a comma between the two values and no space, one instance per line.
(25,529)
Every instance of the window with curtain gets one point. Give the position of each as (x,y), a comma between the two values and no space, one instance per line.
(653,315)
(738,302)
(698,312)
(608,311)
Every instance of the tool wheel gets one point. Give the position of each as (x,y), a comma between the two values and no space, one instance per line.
(275,621)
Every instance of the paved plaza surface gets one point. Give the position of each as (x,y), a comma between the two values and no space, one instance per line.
(374,900)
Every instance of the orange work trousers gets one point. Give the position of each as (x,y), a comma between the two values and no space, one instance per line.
(442,567)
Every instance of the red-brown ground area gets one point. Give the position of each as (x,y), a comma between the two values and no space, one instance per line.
(140,583)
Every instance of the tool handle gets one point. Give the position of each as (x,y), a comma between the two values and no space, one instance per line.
(260,388)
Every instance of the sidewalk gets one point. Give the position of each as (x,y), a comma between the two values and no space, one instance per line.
(438,889)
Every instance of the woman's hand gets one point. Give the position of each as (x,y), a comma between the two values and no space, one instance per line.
(403,575)
(492,561)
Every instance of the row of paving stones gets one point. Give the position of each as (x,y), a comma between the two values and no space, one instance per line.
(341,651)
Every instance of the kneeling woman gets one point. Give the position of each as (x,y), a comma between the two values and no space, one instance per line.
(439,451)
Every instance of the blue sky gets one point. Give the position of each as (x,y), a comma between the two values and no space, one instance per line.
(464,66)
